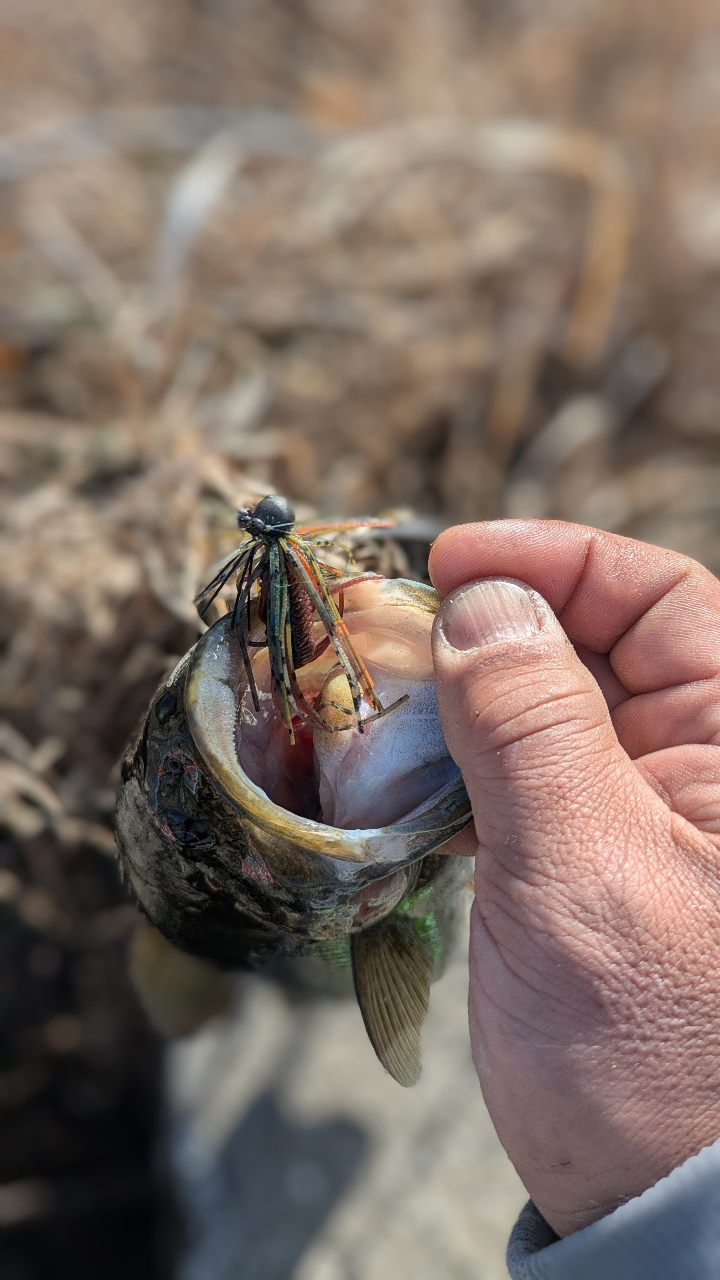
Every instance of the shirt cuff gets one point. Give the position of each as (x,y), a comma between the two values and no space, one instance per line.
(670,1232)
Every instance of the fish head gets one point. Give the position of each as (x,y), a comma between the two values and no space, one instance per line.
(313,840)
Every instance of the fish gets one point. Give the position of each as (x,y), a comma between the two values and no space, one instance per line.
(290,792)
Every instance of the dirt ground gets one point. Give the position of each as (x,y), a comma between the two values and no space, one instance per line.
(451,260)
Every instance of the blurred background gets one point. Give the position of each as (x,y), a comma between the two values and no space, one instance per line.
(449,259)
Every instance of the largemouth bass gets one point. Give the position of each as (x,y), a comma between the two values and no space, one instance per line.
(291,791)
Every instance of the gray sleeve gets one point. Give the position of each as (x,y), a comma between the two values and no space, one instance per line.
(670,1232)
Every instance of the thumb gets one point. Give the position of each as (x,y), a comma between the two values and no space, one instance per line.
(530,729)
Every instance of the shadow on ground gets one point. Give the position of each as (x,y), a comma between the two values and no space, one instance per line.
(273,1187)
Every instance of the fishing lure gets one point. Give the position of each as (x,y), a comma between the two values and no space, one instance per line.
(277,565)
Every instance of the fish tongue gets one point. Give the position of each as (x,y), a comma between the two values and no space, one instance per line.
(372,779)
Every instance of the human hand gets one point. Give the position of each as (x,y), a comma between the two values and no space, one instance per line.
(594,775)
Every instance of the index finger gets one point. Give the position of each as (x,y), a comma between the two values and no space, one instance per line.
(654,612)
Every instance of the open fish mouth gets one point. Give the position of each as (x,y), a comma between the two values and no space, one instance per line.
(388,794)
(240,844)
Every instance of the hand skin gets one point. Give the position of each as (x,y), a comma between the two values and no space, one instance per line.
(590,749)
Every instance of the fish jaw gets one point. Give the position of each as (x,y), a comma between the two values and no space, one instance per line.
(237,744)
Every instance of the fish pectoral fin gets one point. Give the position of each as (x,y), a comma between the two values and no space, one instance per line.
(392,968)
